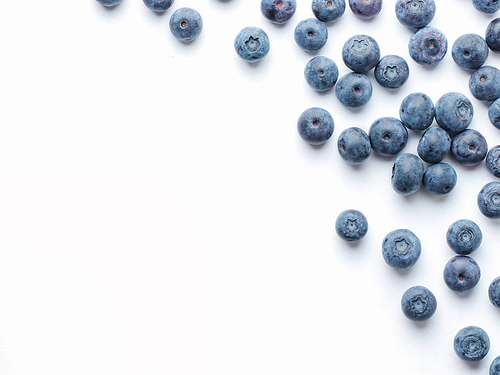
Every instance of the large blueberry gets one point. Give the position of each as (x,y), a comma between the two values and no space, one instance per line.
(494,113)
(418,303)
(392,71)
(388,136)
(428,46)
(494,292)
(434,145)
(252,44)
(493,161)
(158,5)
(454,112)
(354,146)
(493,35)
(315,126)
(278,11)
(407,174)
(361,53)
(351,225)
(186,24)
(365,9)
(109,3)
(471,344)
(488,200)
(495,366)
(415,13)
(311,35)
(486,6)
(469,147)
(439,179)
(328,10)
(417,111)
(354,90)
(401,249)
(321,73)
(461,273)
(464,236)
(484,83)
(470,51)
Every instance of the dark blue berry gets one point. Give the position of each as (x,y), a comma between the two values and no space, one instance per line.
(361,53)
(109,3)
(388,136)
(415,13)
(186,24)
(434,145)
(461,273)
(486,6)
(158,5)
(471,344)
(454,112)
(417,111)
(351,225)
(407,174)
(418,304)
(278,11)
(392,71)
(252,44)
(321,73)
(488,200)
(470,51)
(328,10)
(469,147)
(493,161)
(494,292)
(464,237)
(495,366)
(365,9)
(428,46)
(315,126)
(354,90)
(439,179)
(354,146)
(484,83)
(401,249)
(494,113)
(311,35)
(493,35)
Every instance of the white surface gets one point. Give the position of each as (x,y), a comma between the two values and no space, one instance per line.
(159,213)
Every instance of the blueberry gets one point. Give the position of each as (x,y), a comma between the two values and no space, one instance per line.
(469,147)
(365,9)
(471,344)
(464,237)
(470,51)
(484,83)
(351,225)
(328,10)
(401,249)
(454,112)
(392,71)
(321,73)
(461,273)
(495,366)
(407,174)
(354,146)
(311,35)
(315,126)
(439,179)
(278,11)
(493,161)
(415,13)
(493,35)
(361,53)
(428,46)
(488,200)
(434,145)
(494,113)
(417,111)
(186,24)
(418,303)
(158,5)
(388,136)
(486,6)
(494,292)
(252,44)
(109,3)
(354,90)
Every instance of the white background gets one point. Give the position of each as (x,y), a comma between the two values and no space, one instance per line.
(159,213)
